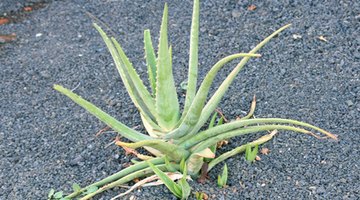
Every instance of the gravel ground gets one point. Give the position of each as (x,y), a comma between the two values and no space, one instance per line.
(46,141)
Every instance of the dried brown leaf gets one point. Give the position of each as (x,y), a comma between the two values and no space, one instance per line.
(252,7)
(265,151)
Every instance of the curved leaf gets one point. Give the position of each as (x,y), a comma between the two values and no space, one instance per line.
(217,96)
(119,127)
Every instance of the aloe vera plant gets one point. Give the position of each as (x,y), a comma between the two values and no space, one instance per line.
(174,139)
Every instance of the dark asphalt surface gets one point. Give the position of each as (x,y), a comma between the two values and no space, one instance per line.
(46,141)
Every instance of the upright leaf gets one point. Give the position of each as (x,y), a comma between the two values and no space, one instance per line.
(215,99)
(138,94)
(193,115)
(150,60)
(167,105)
(193,58)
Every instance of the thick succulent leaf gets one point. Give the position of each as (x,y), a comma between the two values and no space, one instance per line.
(247,122)
(145,108)
(119,175)
(129,177)
(185,188)
(193,58)
(151,128)
(134,77)
(243,131)
(240,149)
(167,105)
(196,160)
(169,183)
(150,60)
(217,96)
(195,111)
(172,151)
(119,127)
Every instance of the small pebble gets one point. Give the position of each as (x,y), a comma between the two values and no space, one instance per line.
(236,13)
(349,103)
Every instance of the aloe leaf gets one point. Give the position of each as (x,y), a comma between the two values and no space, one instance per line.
(119,175)
(167,105)
(240,149)
(125,179)
(212,121)
(211,125)
(119,127)
(217,96)
(134,77)
(150,60)
(220,122)
(146,108)
(195,111)
(250,154)
(252,109)
(173,151)
(196,160)
(185,188)
(168,165)
(169,183)
(182,165)
(222,179)
(246,122)
(243,131)
(193,58)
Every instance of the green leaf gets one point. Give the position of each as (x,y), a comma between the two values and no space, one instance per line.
(195,111)
(182,165)
(212,121)
(91,189)
(76,187)
(185,188)
(150,60)
(201,136)
(199,195)
(193,58)
(119,127)
(168,165)
(220,122)
(170,184)
(240,149)
(196,160)
(250,155)
(51,193)
(171,150)
(58,195)
(134,77)
(134,86)
(167,105)
(222,179)
(217,96)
